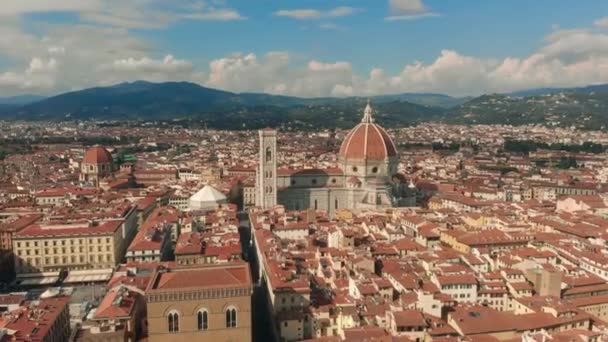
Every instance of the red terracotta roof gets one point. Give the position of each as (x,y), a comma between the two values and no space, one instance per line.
(229,275)
(368,141)
(106,227)
(97,155)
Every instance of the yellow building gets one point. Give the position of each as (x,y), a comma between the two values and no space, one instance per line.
(77,246)
(451,238)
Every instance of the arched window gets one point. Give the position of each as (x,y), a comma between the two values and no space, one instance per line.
(203,320)
(231,317)
(268,154)
(173,321)
(316,207)
(336,203)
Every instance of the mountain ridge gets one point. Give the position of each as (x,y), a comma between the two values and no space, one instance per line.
(142,100)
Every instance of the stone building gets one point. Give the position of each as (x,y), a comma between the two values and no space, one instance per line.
(96,164)
(365,179)
(206,303)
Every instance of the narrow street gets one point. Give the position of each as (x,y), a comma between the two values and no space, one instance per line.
(260,320)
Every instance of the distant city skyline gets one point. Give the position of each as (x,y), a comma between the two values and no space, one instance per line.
(306,48)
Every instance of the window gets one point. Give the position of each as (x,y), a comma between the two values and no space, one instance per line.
(314,181)
(268,154)
(355,169)
(336,203)
(203,320)
(173,321)
(316,206)
(375,170)
(231,317)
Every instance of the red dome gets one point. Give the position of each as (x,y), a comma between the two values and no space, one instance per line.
(368,141)
(97,155)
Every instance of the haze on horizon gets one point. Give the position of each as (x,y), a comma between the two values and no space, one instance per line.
(304,48)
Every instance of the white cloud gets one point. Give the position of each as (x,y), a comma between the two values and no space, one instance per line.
(319,66)
(76,56)
(568,58)
(314,14)
(602,22)
(215,15)
(70,57)
(145,64)
(38,65)
(408,10)
(248,73)
(274,73)
(156,13)
(143,14)
(411,16)
(18,7)
(399,7)
(38,76)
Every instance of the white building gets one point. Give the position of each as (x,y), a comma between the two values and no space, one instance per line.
(208,198)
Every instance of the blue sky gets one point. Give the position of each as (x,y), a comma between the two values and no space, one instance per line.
(304,47)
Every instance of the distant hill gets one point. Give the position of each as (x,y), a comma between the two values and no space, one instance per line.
(20,99)
(425,99)
(127,100)
(585,107)
(170,100)
(598,88)
(580,109)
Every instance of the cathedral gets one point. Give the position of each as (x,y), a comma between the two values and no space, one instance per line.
(366,178)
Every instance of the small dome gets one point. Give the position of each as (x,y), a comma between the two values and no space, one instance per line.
(368,140)
(207,198)
(97,155)
(208,194)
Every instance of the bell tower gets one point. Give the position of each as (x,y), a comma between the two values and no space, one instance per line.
(266,185)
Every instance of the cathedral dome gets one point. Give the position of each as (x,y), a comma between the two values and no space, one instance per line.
(368,140)
(97,155)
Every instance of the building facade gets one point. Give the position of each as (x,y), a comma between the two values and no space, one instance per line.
(267,169)
(96,164)
(49,247)
(365,179)
(206,303)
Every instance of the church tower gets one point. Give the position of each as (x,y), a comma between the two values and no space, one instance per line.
(266,185)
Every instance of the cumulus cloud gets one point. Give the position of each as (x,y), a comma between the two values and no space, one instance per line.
(568,58)
(143,14)
(314,14)
(149,14)
(69,57)
(274,73)
(248,73)
(408,10)
(18,7)
(602,22)
(145,64)
(38,76)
